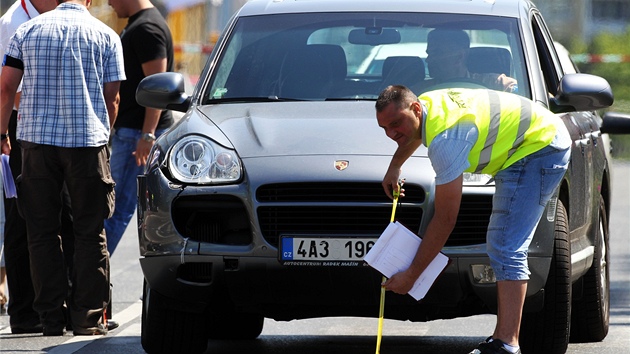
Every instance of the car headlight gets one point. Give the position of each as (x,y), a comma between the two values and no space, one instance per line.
(195,159)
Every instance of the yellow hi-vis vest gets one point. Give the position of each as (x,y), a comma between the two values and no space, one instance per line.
(510,126)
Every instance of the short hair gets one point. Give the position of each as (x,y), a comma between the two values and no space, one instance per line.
(397,94)
(457,39)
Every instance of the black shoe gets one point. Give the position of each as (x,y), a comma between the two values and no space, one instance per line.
(99,330)
(112,325)
(19,329)
(492,346)
(50,331)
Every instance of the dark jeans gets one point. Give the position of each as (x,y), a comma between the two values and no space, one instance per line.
(87,175)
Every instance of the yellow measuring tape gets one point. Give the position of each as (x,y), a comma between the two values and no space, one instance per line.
(381,311)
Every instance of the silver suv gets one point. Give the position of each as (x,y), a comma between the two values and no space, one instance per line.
(265,197)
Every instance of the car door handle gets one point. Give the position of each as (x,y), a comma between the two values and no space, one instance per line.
(583,142)
(593,135)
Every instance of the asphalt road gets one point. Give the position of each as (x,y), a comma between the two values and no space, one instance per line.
(340,335)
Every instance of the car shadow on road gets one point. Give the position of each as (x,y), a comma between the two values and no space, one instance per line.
(287,344)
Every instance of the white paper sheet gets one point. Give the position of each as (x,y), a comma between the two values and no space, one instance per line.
(394,251)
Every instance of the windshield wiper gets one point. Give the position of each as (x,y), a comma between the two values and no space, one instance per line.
(351,99)
(252,99)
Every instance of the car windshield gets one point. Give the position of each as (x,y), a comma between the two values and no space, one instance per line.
(336,56)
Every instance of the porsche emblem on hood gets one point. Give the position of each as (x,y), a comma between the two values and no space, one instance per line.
(341,165)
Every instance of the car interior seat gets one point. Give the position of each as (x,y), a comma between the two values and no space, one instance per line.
(489,60)
(312,71)
(403,70)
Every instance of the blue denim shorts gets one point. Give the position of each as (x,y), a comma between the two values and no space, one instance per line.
(522,192)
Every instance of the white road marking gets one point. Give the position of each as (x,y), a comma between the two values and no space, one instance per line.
(77,342)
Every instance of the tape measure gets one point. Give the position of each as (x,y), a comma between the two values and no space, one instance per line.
(381,311)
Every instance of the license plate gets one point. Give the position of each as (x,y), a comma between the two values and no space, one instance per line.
(324,251)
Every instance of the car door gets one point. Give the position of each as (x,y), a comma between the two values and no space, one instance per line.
(579,124)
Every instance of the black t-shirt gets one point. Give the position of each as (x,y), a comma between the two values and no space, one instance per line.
(146,37)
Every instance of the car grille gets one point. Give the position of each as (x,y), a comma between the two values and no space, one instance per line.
(368,211)
(472,221)
(342,209)
(334,192)
(356,209)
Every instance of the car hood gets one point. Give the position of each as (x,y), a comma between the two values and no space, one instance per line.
(302,128)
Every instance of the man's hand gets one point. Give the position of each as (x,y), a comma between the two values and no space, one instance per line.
(391,182)
(142,151)
(6,146)
(508,83)
(400,283)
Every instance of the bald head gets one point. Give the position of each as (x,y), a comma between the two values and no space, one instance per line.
(400,95)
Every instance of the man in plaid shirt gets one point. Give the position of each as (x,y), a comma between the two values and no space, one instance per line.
(71,65)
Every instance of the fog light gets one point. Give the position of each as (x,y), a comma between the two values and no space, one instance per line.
(483,274)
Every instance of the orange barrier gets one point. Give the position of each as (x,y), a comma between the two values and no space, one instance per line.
(601,58)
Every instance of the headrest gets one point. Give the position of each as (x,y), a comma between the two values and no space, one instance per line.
(489,60)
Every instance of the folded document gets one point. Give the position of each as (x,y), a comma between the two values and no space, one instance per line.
(9,184)
(394,251)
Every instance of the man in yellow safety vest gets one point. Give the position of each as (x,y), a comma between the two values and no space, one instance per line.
(479,131)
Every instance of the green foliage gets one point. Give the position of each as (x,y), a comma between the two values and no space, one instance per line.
(617,74)
(621,143)
(620,147)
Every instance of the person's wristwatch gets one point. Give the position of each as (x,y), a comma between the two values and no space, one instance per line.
(148,137)
(3,136)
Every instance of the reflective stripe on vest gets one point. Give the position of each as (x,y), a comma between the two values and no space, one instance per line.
(510,127)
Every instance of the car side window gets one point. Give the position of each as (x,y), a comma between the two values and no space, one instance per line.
(549,62)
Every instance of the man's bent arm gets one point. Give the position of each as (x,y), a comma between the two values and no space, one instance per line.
(112,99)
(390,181)
(446,208)
(151,115)
(9,82)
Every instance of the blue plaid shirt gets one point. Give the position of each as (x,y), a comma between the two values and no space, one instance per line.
(68,56)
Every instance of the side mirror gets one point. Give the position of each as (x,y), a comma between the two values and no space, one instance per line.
(582,92)
(615,123)
(163,91)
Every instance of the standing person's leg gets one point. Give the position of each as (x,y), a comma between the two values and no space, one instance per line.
(88,179)
(124,173)
(66,232)
(522,192)
(40,202)
(510,301)
(67,242)
(3,274)
(22,317)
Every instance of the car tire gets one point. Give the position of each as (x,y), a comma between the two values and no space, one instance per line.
(235,326)
(547,331)
(591,312)
(165,330)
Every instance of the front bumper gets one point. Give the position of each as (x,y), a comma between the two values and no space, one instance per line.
(264,286)
(204,245)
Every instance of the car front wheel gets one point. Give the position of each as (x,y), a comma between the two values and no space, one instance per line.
(591,312)
(548,331)
(167,330)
